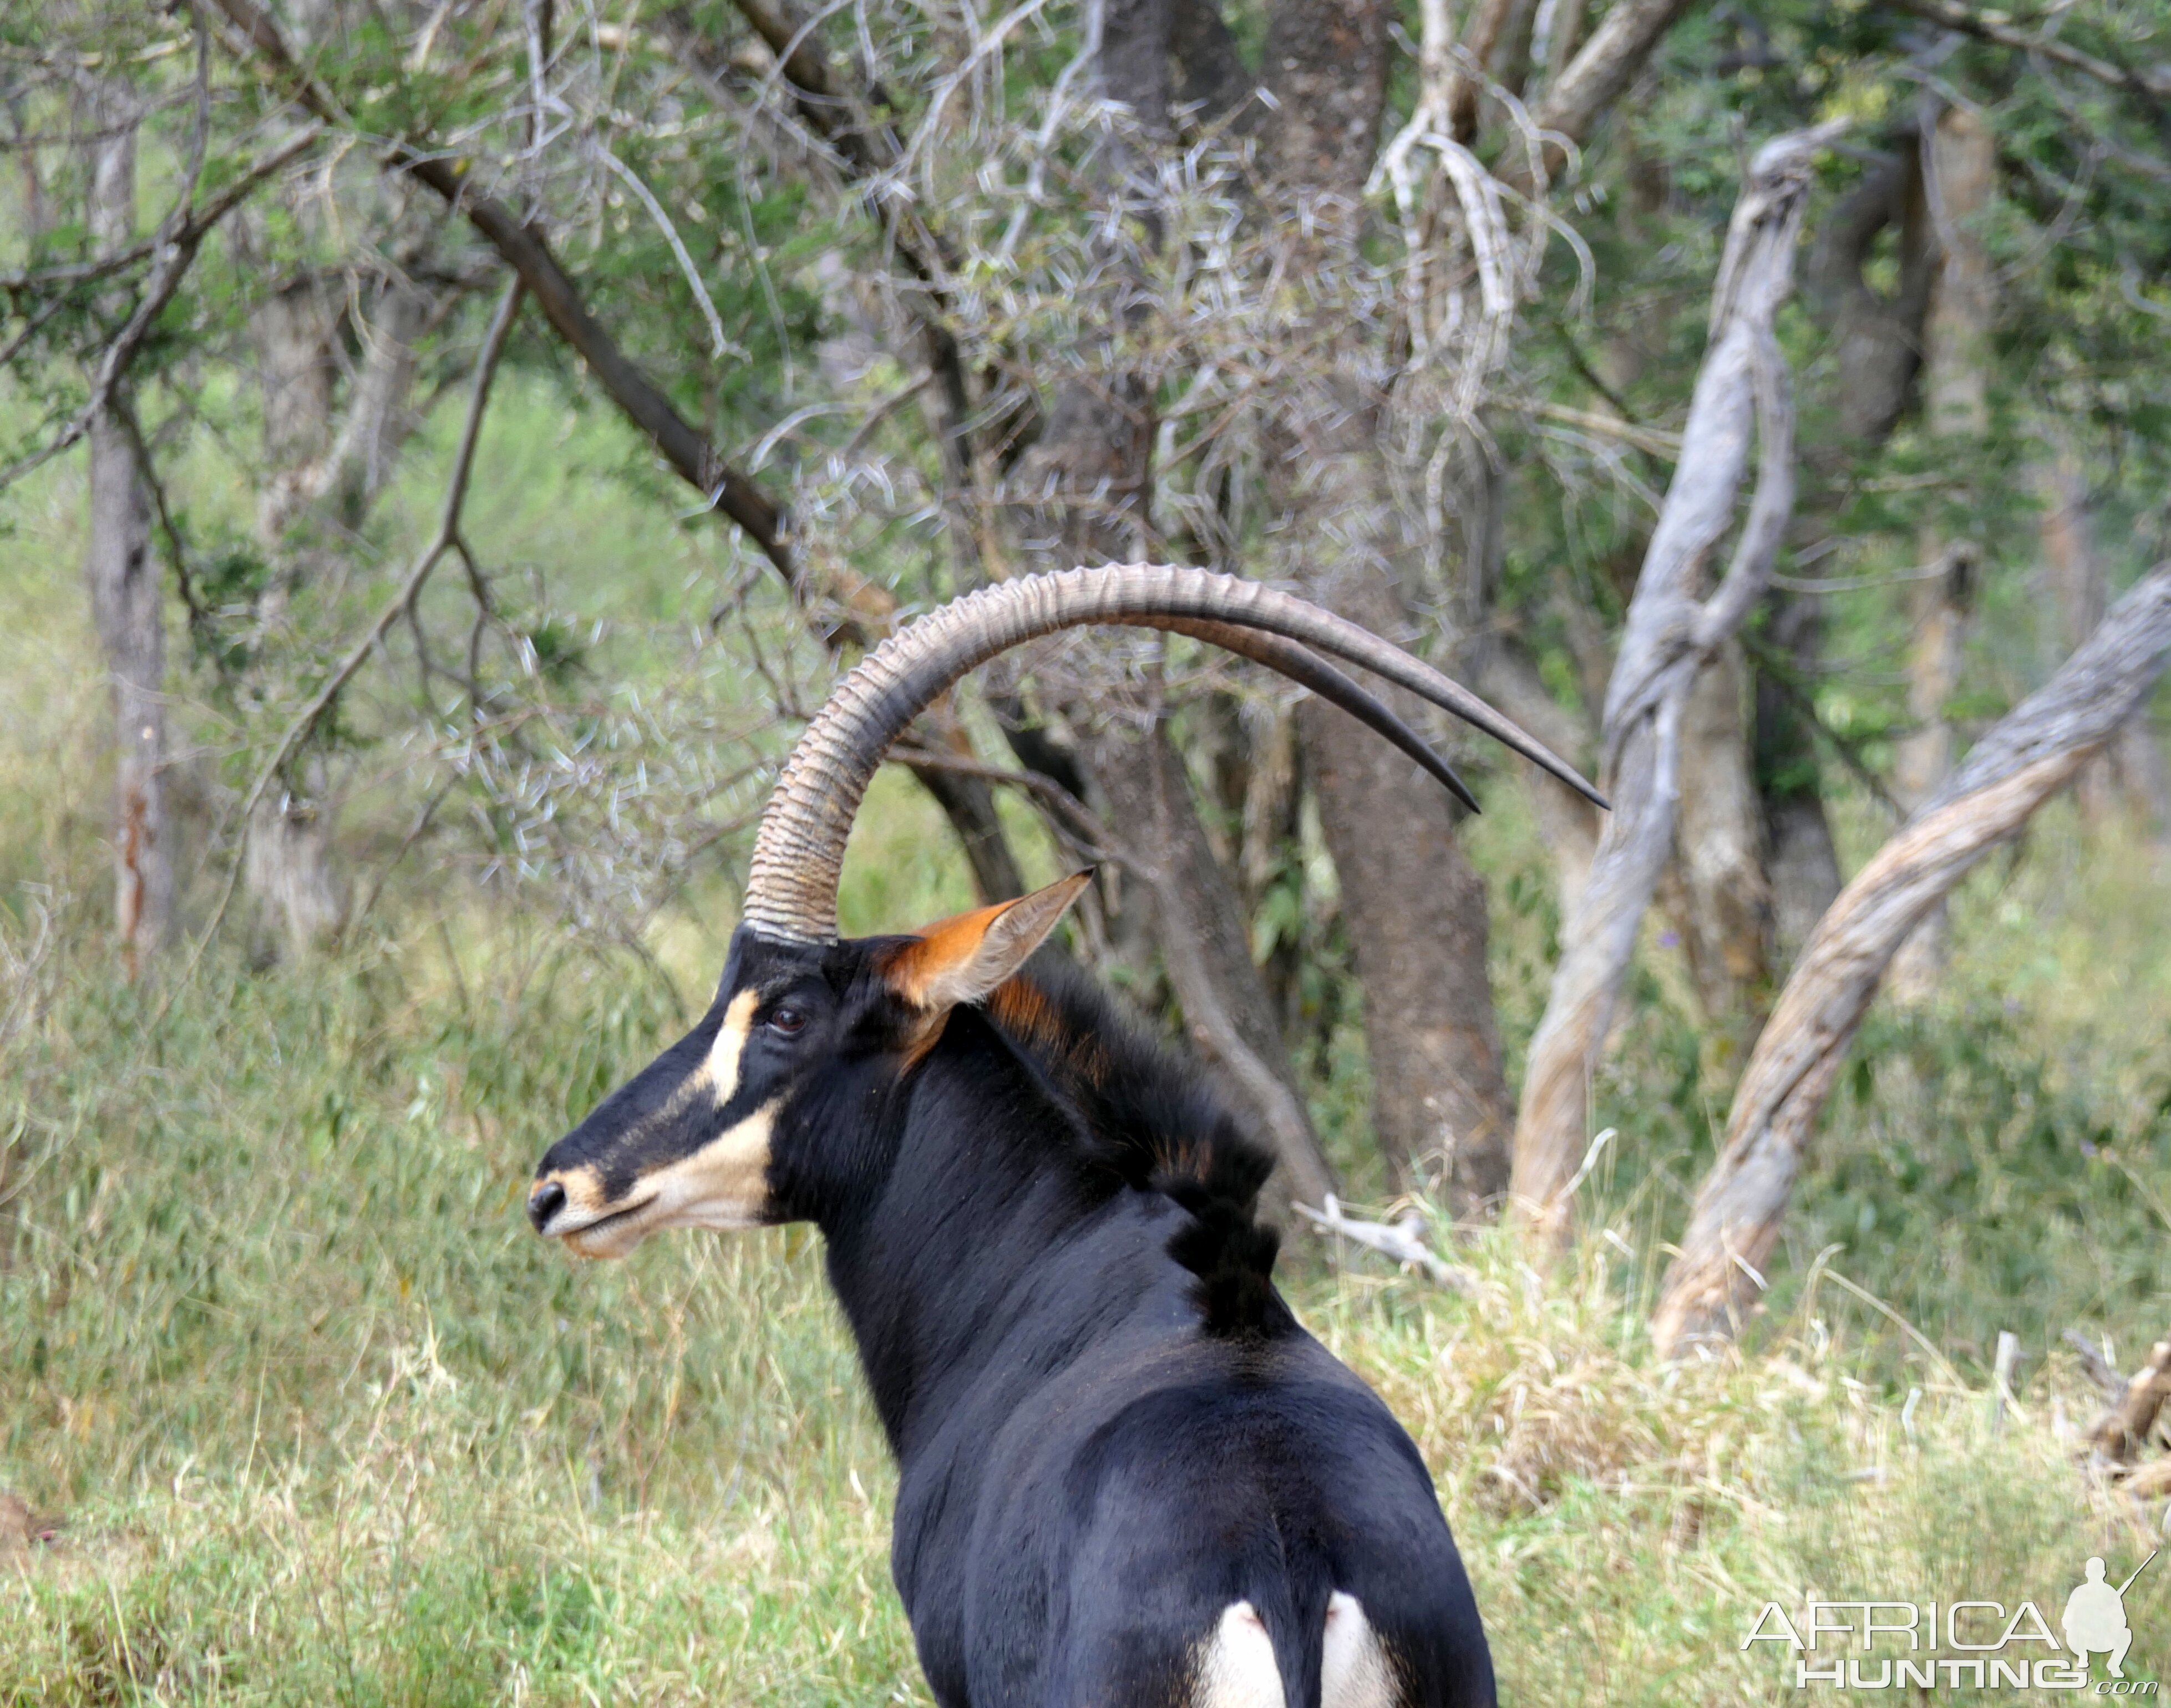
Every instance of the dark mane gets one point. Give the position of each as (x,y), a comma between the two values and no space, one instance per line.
(1158,1125)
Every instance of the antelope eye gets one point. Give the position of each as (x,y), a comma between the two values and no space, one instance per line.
(788,1020)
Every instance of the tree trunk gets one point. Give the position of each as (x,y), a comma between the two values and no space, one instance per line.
(1326,64)
(378,423)
(1801,862)
(1876,342)
(1961,175)
(126,599)
(287,863)
(1440,1109)
(1414,907)
(293,328)
(1206,950)
(1668,639)
(1091,473)
(1417,918)
(2130,772)
(1718,847)
(288,870)
(2036,750)
(1568,824)
(1093,470)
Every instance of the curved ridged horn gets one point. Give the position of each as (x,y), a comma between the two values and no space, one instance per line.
(799,851)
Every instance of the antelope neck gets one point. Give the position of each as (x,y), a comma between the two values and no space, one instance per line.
(995,1249)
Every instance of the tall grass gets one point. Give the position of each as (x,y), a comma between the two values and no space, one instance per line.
(320,1420)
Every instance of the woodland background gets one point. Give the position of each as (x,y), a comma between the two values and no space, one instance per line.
(451,447)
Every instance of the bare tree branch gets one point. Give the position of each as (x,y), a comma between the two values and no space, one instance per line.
(1598,75)
(2153,86)
(2027,758)
(1404,1241)
(402,601)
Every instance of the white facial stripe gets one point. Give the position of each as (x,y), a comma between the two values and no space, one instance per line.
(723,1185)
(720,1071)
(1236,1665)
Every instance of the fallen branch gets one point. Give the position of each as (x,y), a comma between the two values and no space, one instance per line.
(2031,754)
(2098,1368)
(2124,1429)
(1404,1241)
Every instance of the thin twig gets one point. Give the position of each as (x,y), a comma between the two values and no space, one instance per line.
(1079,818)
(402,601)
(173,263)
(1654,440)
(721,346)
(124,411)
(2153,86)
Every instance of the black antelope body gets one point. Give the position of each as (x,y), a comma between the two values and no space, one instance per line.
(1128,1478)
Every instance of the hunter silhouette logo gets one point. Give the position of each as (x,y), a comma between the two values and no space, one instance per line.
(2095,1617)
(1962,1644)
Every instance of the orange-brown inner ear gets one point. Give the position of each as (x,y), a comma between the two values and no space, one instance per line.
(964,958)
(941,952)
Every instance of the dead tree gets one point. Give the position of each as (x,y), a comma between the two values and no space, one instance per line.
(1742,392)
(2028,756)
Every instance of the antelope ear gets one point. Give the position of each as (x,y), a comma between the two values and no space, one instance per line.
(963,959)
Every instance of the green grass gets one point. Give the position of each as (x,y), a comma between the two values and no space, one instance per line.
(322,1421)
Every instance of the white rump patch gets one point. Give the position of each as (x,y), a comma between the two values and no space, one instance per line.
(1237,1664)
(1353,1671)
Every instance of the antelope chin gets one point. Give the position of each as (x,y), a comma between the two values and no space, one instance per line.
(612,1235)
(720,1187)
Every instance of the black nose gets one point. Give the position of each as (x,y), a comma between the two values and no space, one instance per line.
(548,1199)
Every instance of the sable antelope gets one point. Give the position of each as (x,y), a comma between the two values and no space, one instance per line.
(1128,1478)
